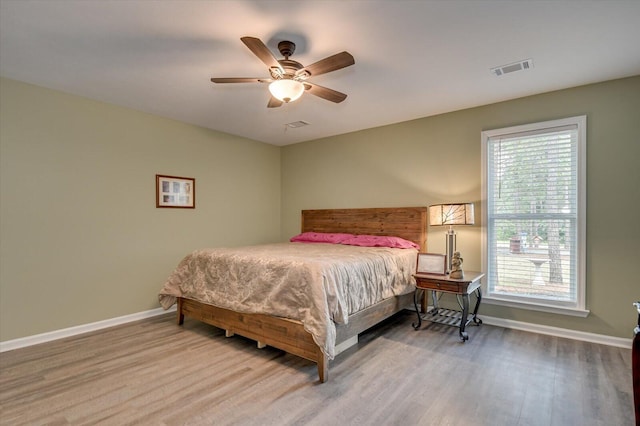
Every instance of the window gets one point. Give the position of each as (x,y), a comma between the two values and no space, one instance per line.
(534,217)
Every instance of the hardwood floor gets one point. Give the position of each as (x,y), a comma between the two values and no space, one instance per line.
(153,372)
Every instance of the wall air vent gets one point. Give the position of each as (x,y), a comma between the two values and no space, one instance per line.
(297,124)
(509,68)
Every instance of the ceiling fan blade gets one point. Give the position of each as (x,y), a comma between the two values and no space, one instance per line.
(261,51)
(324,93)
(240,80)
(332,63)
(274,103)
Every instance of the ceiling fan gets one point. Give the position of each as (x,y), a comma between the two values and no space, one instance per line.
(289,78)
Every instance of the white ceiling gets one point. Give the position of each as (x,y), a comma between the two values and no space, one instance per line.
(413,58)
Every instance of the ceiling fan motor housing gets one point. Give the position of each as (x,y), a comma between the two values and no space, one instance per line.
(286,48)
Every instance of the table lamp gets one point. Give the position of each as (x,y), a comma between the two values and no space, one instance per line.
(451,214)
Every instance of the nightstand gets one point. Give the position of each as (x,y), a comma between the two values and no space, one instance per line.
(462,288)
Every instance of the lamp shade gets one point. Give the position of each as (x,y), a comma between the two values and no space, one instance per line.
(451,214)
(286,90)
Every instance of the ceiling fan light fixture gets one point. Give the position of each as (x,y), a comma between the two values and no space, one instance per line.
(286,89)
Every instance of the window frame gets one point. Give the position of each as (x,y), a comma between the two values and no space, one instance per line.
(577,308)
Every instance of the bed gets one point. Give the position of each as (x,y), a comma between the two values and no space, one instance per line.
(295,335)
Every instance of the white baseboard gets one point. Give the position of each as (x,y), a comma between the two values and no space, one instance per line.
(602,339)
(500,322)
(80,329)
(559,332)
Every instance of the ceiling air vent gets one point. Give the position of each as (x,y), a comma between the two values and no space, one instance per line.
(297,124)
(516,66)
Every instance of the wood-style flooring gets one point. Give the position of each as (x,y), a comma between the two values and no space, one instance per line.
(153,372)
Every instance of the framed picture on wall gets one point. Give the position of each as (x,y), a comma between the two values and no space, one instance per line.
(431,263)
(175,192)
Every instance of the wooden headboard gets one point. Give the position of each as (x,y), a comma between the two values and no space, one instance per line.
(409,223)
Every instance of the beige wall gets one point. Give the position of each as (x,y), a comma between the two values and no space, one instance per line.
(80,237)
(437,159)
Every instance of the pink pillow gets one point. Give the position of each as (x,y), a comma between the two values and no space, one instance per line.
(320,237)
(379,241)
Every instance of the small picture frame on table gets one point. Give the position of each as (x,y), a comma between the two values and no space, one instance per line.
(431,263)
(175,192)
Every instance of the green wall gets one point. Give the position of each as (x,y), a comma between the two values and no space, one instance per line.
(437,159)
(81,240)
(80,237)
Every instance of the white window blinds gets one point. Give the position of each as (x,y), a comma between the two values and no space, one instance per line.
(533,216)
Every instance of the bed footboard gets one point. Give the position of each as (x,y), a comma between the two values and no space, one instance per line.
(285,334)
(282,333)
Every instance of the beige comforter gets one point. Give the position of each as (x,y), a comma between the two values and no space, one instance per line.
(317,284)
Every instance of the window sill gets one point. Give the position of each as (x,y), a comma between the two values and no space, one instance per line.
(562,310)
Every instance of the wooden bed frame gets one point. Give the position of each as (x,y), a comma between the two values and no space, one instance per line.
(289,335)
